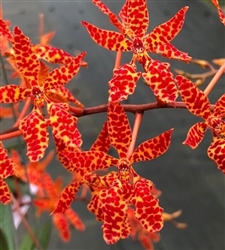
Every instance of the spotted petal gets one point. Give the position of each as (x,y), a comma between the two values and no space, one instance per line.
(158,40)
(119,129)
(67,196)
(112,17)
(220,12)
(137,17)
(152,148)
(26,60)
(111,40)
(64,125)
(88,161)
(7,166)
(195,100)
(160,80)
(5,196)
(219,110)
(34,129)
(102,143)
(4,30)
(147,211)
(60,76)
(13,93)
(195,134)
(171,52)
(95,206)
(74,219)
(216,152)
(62,226)
(166,32)
(115,212)
(123,83)
(62,94)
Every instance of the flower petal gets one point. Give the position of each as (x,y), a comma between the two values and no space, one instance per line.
(119,129)
(219,110)
(64,125)
(13,93)
(62,226)
(166,32)
(216,152)
(220,12)
(7,166)
(67,196)
(102,143)
(160,80)
(5,196)
(195,134)
(152,148)
(112,17)
(74,219)
(171,52)
(4,30)
(34,129)
(115,212)
(26,60)
(88,161)
(111,40)
(62,94)
(123,83)
(147,211)
(195,100)
(61,76)
(137,17)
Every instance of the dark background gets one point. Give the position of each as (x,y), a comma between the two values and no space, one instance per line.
(188,179)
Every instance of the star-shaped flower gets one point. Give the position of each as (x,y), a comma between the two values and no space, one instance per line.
(121,193)
(40,82)
(134,23)
(198,104)
(47,203)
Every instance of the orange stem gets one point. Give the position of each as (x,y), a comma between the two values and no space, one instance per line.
(137,123)
(23,112)
(214,80)
(118,59)
(25,223)
(10,135)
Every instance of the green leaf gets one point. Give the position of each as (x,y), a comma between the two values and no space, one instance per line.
(27,243)
(3,241)
(43,237)
(45,234)
(6,225)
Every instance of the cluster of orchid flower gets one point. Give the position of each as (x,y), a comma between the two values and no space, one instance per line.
(121,198)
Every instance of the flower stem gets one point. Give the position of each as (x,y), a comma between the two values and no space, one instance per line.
(118,59)
(214,80)
(137,123)
(25,223)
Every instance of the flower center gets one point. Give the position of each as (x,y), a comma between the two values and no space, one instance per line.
(38,96)
(216,124)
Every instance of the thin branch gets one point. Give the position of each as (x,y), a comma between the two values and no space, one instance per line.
(79,112)
(25,223)
(214,80)
(137,123)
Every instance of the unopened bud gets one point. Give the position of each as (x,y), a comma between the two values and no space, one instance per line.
(202,63)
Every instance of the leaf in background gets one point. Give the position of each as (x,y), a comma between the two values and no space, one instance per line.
(3,241)
(43,236)
(6,224)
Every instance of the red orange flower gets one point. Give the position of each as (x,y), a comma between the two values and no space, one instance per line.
(198,104)
(135,20)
